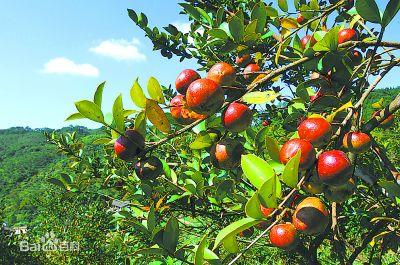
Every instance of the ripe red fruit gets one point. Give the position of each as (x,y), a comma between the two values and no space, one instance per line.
(265,123)
(386,123)
(243,60)
(129,146)
(266,211)
(204,96)
(283,236)
(222,73)
(300,19)
(316,130)
(347,35)
(226,154)
(149,168)
(308,39)
(247,232)
(357,142)
(181,113)
(237,117)
(311,216)
(291,147)
(334,168)
(251,68)
(184,79)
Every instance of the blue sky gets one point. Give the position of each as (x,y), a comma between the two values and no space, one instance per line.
(54,53)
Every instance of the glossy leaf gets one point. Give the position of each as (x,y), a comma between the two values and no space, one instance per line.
(137,95)
(289,23)
(236,28)
(218,33)
(259,13)
(118,114)
(98,95)
(260,97)
(151,219)
(171,234)
(191,10)
(283,5)
(273,148)
(369,10)
(290,175)
(203,140)
(75,116)
(256,170)
(269,192)
(230,244)
(140,122)
(391,10)
(199,253)
(157,116)
(234,229)
(90,110)
(155,91)
(252,207)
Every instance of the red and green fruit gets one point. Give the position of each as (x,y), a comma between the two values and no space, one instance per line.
(357,142)
(226,154)
(251,68)
(316,130)
(290,149)
(223,74)
(386,123)
(334,167)
(149,168)
(204,96)
(283,236)
(237,117)
(311,216)
(128,146)
(184,79)
(181,113)
(308,39)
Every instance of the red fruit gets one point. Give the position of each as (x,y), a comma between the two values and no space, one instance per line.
(184,79)
(129,146)
(334,168)
(251,68)
(316,130)
(346,35)
(226,154)
(222,73)
(357,142)
(266,211)
(300,19)
(243,60)
(237,117)
(181,113)
(386,123)
(356,57)
(247,232)
(291,147)
(308,39)
(283,236)
(149,168)
(311,216)
(204,96)
(265,123)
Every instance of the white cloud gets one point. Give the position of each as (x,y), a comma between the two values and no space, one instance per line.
(121,50)
(63,65)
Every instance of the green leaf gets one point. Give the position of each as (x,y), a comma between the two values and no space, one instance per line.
(234,229)
(259,13)
(236,28)
(390,12)
(75,116)
(204,15)
(132,14)
(269,192)
(256,170)
(140,122)
(391,187)
(253,208)
(273,148)
(230,244)
(171,234)
(329,42)
(218,33)
(283,5)
(260,97)
(118,114)
(199,253)
(151,251)
(203,140)
(137,95)
(369,10)
(90,110)
(151,219)
(98,95)
(191,10)
(290,175)
(155,91)
(57,182)
(157,116)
